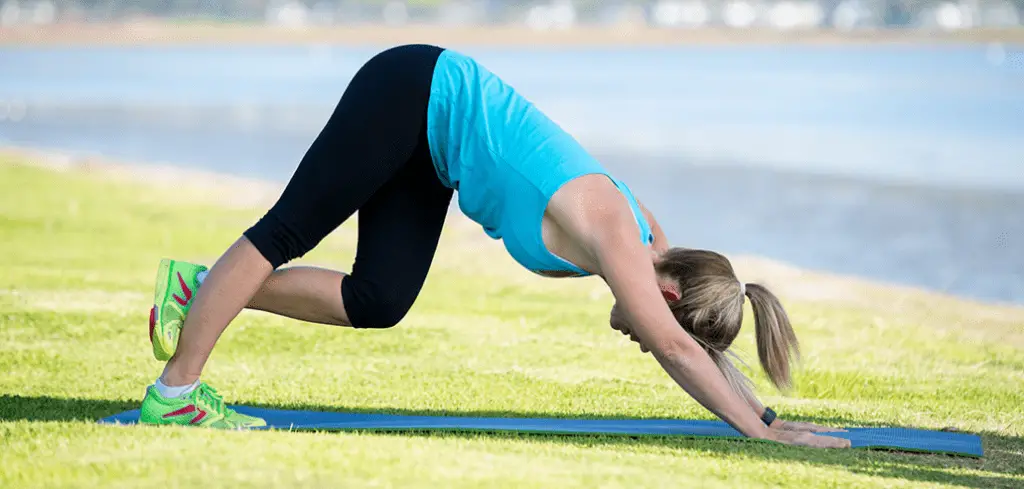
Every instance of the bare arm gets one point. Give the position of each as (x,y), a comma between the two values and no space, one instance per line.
(626,266)
(758,409)
(593,214)
(661,245)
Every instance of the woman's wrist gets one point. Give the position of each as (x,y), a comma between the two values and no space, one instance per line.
(770,434)
(771,419)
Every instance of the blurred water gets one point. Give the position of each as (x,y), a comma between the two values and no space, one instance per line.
(897,163)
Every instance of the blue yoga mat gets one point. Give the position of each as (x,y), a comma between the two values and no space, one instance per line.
(904,439)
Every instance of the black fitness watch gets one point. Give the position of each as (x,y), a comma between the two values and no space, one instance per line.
(768,417)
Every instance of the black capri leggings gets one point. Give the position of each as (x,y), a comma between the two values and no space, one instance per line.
(372,156)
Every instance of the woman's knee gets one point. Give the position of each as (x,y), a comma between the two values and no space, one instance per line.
(278,242)
(373,306)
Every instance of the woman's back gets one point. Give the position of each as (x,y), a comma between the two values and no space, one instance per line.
(505,157)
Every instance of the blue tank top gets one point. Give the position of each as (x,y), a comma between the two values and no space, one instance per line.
(505,158)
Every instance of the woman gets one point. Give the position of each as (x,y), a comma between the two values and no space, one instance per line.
(415,123)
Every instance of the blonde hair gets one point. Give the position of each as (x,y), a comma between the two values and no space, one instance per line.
(710,309)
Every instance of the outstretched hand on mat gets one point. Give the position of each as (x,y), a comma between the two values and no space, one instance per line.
(806,439)
(788,432)
(800,426)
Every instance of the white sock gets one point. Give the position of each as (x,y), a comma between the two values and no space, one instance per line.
(169,392)
(202,276)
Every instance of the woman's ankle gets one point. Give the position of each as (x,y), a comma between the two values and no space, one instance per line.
(175,376)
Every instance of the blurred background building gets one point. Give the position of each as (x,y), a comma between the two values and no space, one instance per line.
(538,14)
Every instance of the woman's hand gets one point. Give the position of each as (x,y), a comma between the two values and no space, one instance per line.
(619,323)
(805,439)
(798,426)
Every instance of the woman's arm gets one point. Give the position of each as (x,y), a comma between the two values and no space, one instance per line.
(661,245)
(592,213)
(627,268)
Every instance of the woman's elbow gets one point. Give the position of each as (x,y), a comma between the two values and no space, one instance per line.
(680,351)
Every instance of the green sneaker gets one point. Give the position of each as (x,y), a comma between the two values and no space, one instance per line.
(202,407)
(176,283)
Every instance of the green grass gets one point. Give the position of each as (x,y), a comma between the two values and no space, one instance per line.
(77,259)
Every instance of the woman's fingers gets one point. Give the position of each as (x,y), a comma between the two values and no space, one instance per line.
(809,427)
(643,348)
(805,439)
(825,442)
(621,327)
(825,429)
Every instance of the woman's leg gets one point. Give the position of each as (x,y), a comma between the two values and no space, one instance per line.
(229,286)
(305,293)
(401,212)
(399,228)
(371,136)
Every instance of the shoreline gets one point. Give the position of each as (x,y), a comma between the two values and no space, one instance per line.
(165,34)
(787,280)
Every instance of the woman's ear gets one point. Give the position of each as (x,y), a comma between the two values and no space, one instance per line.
(670,291)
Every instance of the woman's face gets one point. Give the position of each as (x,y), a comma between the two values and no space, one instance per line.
(619,323)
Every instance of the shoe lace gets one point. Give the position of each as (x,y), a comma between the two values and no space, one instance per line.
(211,398)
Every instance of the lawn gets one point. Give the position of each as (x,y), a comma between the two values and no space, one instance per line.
(79,252)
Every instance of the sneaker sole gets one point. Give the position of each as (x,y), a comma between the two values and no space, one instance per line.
(162,350)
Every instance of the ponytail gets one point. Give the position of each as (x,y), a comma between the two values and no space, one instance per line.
(710,309)
(776,341)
